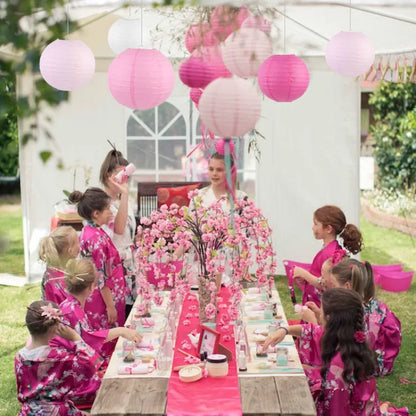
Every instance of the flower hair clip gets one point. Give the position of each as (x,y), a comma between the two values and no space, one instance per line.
(359,337)
(51,313)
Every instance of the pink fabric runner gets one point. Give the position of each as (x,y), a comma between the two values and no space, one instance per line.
(208,396)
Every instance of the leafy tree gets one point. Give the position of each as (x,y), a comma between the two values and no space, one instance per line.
(394,133)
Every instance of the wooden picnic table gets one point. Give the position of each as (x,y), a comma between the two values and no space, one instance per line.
(263,394)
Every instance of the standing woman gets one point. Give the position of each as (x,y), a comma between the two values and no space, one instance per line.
(121,228)
(106,305)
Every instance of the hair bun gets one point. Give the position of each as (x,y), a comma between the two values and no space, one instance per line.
(75,197)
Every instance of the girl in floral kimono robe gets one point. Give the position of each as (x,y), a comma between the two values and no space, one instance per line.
(383,328)
(344,383)
(329,223)
(80,281)
(106,305)
(49,378)
(55,250)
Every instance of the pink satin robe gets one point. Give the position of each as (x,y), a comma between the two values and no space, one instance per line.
(53,286)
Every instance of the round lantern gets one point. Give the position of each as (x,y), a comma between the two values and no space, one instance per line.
(195,73)
(67,64)
(257,22)
(245,50)
(212,56)
(127,33)
(141,78)
(350,53)
(283,78)
(230,107)
(200,35)
(195,94)
(226,19)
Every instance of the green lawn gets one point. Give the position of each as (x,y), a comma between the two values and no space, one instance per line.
(382,247)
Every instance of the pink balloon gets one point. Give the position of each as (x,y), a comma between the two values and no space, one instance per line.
(283,78)
(230,107)
(67,64)
(141,78)
(195,73)
(225,20)
(350,53)
(257,22)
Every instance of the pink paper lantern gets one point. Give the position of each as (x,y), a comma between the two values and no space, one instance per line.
(67,64)
(200,35)
(283,78)
(195,73)
(230,107)
(245,50)
(257,22)
(350,54)
(141,78)
(195,94)
(226,19)
(212,56)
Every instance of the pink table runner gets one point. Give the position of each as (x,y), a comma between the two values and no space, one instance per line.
(208,396)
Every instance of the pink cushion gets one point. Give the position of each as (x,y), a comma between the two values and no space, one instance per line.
(176,195)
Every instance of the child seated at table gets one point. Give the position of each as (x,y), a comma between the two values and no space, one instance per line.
(50,378)
(344,385)
(80,277)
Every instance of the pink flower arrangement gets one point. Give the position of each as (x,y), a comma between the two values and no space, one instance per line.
(211,238)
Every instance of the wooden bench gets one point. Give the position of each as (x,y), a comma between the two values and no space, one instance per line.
(147,194)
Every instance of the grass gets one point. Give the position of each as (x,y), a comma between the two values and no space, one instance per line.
(382,247)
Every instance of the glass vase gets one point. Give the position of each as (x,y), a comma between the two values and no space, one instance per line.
(205,296)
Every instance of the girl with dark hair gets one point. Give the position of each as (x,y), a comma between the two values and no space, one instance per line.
(329,223)
(106,305)
(50,378)
(383,328)
(344,383)
(122,227)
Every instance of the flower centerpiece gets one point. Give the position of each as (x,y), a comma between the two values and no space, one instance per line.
(214,240)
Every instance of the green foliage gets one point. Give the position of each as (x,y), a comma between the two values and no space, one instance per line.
(394,134)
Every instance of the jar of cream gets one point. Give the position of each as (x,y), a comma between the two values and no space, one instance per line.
(217,365)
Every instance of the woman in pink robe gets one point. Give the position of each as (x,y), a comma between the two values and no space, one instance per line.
(106,305)
(55,250)
(343,383)
(329,223)
(50,378)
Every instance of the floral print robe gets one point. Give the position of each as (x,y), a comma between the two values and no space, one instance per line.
(384,332)
(53,286)
(97,245)
(49,378)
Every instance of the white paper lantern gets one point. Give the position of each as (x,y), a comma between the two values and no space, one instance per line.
(67,64)
(350,53)
(127,33)
(245,50)
(230,107)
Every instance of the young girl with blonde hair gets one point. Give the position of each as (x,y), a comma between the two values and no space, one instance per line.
(55,250)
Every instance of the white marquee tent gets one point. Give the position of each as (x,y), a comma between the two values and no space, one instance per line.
(310,155)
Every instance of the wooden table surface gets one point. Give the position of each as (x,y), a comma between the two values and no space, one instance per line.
(267,395)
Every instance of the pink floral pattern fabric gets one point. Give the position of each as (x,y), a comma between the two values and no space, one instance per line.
(53,286)
(309,345)
(49,379)
(384,332)
(311,293)
(97,245)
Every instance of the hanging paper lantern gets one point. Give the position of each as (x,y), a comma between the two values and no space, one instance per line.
(283,78)
(230,107)
(220,147)
(245,50)
(195,94)
(127,33)
(350,53)
(67,64)
(257,22)
(141,78)
(200,35)
(195,73)
(226,19)
(212,56)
